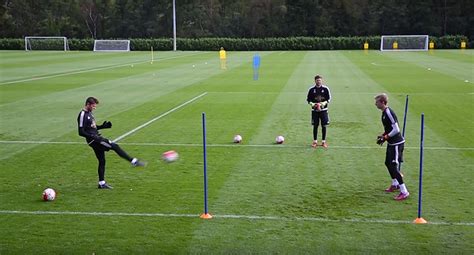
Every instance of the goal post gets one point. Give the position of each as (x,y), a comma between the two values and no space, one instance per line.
(59,43)
(112,45)
(404,42)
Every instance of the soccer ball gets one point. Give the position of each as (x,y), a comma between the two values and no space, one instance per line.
(237,139)
(279,139)
(49,194)
(170,156)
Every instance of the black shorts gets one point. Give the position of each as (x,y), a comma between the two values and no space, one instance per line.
(317,116)
(394,154)
(104,145)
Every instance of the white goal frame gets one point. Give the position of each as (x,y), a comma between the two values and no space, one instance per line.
(127,48)
(400,46)
(27,38)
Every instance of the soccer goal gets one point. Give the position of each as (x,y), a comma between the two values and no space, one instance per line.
(404,42)
(46,43)
(111,45)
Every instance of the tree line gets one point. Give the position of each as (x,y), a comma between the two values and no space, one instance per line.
(106,19)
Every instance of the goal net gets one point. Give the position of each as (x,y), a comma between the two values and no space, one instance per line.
(111,45)
(46,43)
(404,42)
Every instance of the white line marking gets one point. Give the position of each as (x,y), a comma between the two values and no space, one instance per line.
(38,142)
(231,216)
(100,213)
(158,117)
(338,92)
(89,70)
(70,73)
(288,146)
(243,145)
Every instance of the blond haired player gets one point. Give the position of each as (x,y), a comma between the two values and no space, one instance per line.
(395,145)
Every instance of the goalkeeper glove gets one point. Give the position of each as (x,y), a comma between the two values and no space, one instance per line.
(381,139)
(106,124)
(316,106)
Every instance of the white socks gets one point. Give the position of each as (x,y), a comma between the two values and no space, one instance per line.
(101,182)
(403,189)
(394,182)
(134,160)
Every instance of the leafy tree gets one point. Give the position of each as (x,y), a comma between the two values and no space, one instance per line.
(234,18)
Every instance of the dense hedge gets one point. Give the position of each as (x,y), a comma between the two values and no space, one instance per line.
(12,44)
(250,44)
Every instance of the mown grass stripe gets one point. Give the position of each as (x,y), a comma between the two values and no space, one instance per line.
(159,117)
(81,71)
(229,216)
(241,145)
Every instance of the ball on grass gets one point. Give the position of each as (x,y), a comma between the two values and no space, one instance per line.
(49,194)
(170,156)
(237,139)
(279,139)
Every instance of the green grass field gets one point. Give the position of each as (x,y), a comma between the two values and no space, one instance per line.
(265,198)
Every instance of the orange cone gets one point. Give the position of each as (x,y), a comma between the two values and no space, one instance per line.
(420,221)
(206,216)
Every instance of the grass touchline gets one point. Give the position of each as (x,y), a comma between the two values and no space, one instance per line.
(230,216)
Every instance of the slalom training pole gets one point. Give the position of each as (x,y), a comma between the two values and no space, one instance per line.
(419,219)
(405,116)
(152,57)
(256,66)
(206,214)
(403,129)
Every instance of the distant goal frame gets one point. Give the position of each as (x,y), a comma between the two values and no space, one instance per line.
(424,37)
(127,49)
(64,38)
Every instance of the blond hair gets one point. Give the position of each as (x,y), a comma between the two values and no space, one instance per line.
(382,98)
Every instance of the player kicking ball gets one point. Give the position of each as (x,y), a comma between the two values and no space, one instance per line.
(88,129)
(395,144)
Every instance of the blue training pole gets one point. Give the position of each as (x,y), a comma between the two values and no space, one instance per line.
(205,159)
(404,125)
(420,186)
(405,116)
(256,66)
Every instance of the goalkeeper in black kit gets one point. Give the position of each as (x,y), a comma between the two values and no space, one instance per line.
(87,128)
(318,98)
(395,145)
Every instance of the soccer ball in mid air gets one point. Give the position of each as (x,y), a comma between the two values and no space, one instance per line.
(170,156)
(279,139)
(237,139)
(49,194)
